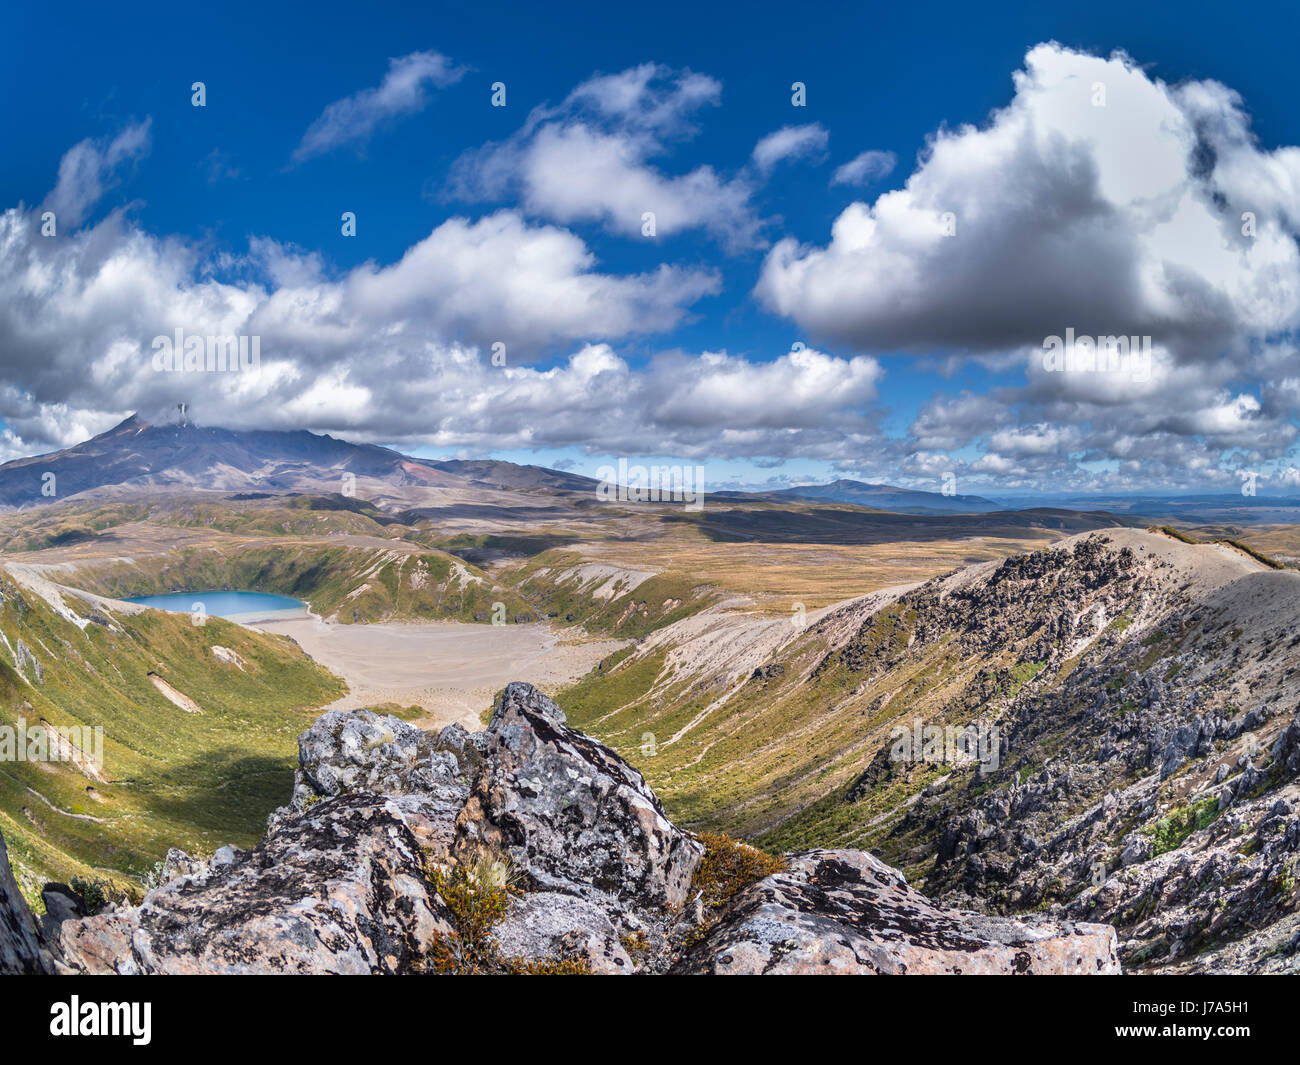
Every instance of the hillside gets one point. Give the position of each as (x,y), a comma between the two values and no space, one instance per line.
(199,727)
(1145,695)
(349,579)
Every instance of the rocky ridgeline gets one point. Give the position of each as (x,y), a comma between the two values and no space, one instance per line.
(1150,771)
(391,830)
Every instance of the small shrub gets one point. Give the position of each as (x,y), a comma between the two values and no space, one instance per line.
(94,894)
(563,967)
(477,892)
(1284,881)
(637,946)
(1172,829)
(730,865)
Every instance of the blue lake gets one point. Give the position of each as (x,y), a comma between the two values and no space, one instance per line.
(242,605)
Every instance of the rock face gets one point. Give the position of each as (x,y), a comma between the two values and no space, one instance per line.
(1150,762)
(339,890)
(601,829)
(845,912)
(21,947)
(341,883)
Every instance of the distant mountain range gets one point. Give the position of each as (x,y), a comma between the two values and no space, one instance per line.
(889,497)
(140,455)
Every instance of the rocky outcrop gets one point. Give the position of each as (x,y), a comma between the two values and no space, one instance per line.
(354,876)
(1146,697)
(341,889)
(600,831)
(845,912)
(22,949)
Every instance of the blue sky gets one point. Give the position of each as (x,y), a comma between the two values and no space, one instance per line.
(232,205)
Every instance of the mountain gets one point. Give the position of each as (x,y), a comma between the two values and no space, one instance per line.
(137,455)
(1267,507)
(494,473)
(888,497)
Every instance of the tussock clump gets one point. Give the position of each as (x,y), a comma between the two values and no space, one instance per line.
(477,894)
(730,865)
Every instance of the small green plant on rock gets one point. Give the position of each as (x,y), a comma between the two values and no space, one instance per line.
(94,893)
(1171,830)
(730,865)
(476,892)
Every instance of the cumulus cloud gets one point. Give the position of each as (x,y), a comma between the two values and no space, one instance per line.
(1116,219)
(790,142)
(1101,200)
(593,159)
(717,405)
(404,91)
(89,169)
(399,352)
(864,168)
(78,316)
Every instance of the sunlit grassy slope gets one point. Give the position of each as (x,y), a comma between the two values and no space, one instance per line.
(172,778)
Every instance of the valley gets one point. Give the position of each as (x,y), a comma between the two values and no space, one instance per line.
(754,660)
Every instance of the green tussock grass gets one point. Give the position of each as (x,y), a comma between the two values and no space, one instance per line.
(194,781)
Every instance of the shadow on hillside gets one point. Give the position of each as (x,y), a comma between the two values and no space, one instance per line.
(828,525)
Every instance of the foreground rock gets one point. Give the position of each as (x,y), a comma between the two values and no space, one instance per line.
(845,912)
(571,812)
(600,879)
(340,890)
(21,946)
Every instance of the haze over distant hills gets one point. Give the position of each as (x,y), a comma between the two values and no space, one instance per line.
(889,497)
(140,456)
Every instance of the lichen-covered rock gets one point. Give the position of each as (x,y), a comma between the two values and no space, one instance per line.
(350,751)
(570,813)
(546,927)
(359,752)
(845,912)
(61,904)
(341,889)
(21,947)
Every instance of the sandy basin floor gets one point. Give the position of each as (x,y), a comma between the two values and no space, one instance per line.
(450,668)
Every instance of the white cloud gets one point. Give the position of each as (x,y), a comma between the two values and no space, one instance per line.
(591,160)
(1106,219)
(864,168)
(78,316)
(1041,439)
(790,142)
(89,169)
(403,91)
